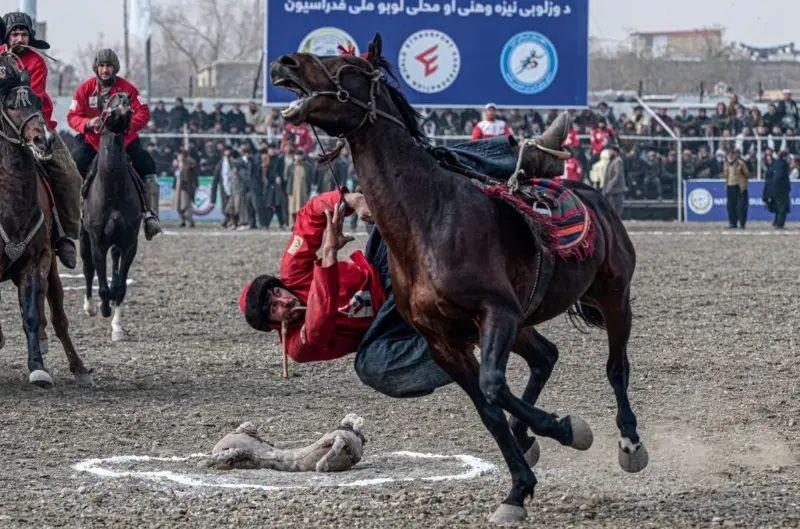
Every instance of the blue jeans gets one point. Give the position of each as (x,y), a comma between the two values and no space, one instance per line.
(393,358)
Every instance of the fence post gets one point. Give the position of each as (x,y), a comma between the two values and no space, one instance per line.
(758,157)
(679,155)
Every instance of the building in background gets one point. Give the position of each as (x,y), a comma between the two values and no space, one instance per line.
(693,44)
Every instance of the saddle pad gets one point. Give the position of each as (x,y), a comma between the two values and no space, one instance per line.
(566,221)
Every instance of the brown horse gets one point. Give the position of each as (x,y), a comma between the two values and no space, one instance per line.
(463,264)
(26,257)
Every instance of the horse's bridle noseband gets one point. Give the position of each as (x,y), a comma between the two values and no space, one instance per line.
(106,113)
(22,98)
(371,111)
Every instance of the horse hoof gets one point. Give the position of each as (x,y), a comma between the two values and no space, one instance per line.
(117,335)
(84,380)
(41,378)
(105,310)
(89,308)
(581,433)
(532,454)
(632,457)
(508,514)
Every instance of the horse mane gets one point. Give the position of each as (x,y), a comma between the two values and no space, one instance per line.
(12,75)
(410,117)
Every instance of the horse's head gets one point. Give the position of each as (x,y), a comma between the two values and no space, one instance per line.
(338,93)
(21,120)
(545,159)
(116,113)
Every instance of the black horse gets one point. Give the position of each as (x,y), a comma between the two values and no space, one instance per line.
(26,256)
(464,265)
(111,215)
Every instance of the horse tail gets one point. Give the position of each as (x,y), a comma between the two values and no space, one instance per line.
(113,224)
(582,316)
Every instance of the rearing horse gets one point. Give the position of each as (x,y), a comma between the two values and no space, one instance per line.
(26,217)
(111,215)
(463,264)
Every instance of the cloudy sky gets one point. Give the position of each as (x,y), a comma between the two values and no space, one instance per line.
(76,23)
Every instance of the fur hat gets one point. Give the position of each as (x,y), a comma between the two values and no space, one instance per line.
(253,301)
(19,19)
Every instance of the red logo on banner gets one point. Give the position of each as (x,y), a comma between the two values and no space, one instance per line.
(428,61)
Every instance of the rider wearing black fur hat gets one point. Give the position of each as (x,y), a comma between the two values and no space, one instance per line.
(84,117)
(20,39)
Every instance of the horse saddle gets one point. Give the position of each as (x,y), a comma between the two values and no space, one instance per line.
(493,159)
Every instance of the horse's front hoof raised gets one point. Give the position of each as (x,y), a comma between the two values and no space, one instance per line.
(88,308)
(582,436)
(633,457)
(508,514)
(532,454)
(41,378)
(84,380)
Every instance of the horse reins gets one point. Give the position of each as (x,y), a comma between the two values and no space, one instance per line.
(106,113)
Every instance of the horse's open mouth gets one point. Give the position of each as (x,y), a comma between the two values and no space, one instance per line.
(295,108)
(38,153)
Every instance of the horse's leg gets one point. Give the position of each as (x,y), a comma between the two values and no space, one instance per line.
(464,370)
(116,253)
(616,308)
(121,288)
(44,346)
(55,297)
(498,329)
(541,355)
(31,290)
(99,259)
(88,273)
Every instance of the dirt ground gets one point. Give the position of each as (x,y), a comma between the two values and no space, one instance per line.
(715,383)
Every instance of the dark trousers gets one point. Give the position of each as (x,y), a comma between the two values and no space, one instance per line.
(275,211)
(781,210)
(144,164)
(737,206)
(392,357)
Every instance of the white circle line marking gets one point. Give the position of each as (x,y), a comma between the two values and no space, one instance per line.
(475,467)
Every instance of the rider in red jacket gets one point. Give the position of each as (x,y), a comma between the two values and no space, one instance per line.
(331,308)
(85,117)
(19,38)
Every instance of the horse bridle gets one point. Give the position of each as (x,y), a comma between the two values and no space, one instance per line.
(371,111)
(106,113)
(22,99)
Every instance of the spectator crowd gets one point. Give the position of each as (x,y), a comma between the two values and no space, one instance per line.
(265,169)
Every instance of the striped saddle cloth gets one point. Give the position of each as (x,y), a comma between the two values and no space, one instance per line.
(566,221)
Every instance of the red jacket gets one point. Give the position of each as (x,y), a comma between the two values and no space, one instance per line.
(34,63)
(84,108)
(341,300)
(489,129)
(299,136)
(599,138)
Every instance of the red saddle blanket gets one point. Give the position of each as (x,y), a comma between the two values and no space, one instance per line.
(567,224)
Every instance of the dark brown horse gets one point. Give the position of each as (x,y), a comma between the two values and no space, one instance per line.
(26,257)
(463,264)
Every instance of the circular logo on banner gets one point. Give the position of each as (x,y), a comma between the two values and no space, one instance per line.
(700,201)
(529,62)
(325,41)
(202,202)
(429,61)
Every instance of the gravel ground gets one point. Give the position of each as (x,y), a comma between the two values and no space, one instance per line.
(714,381)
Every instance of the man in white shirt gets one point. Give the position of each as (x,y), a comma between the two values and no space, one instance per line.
(490,126)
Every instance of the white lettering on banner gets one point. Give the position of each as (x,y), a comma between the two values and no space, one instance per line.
(461,8)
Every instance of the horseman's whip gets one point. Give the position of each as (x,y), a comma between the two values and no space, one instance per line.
(285,354)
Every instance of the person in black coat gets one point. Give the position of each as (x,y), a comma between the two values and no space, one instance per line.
(178,116)
(776,189)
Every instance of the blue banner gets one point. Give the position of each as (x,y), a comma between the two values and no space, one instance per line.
(707,201)
(450,53)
